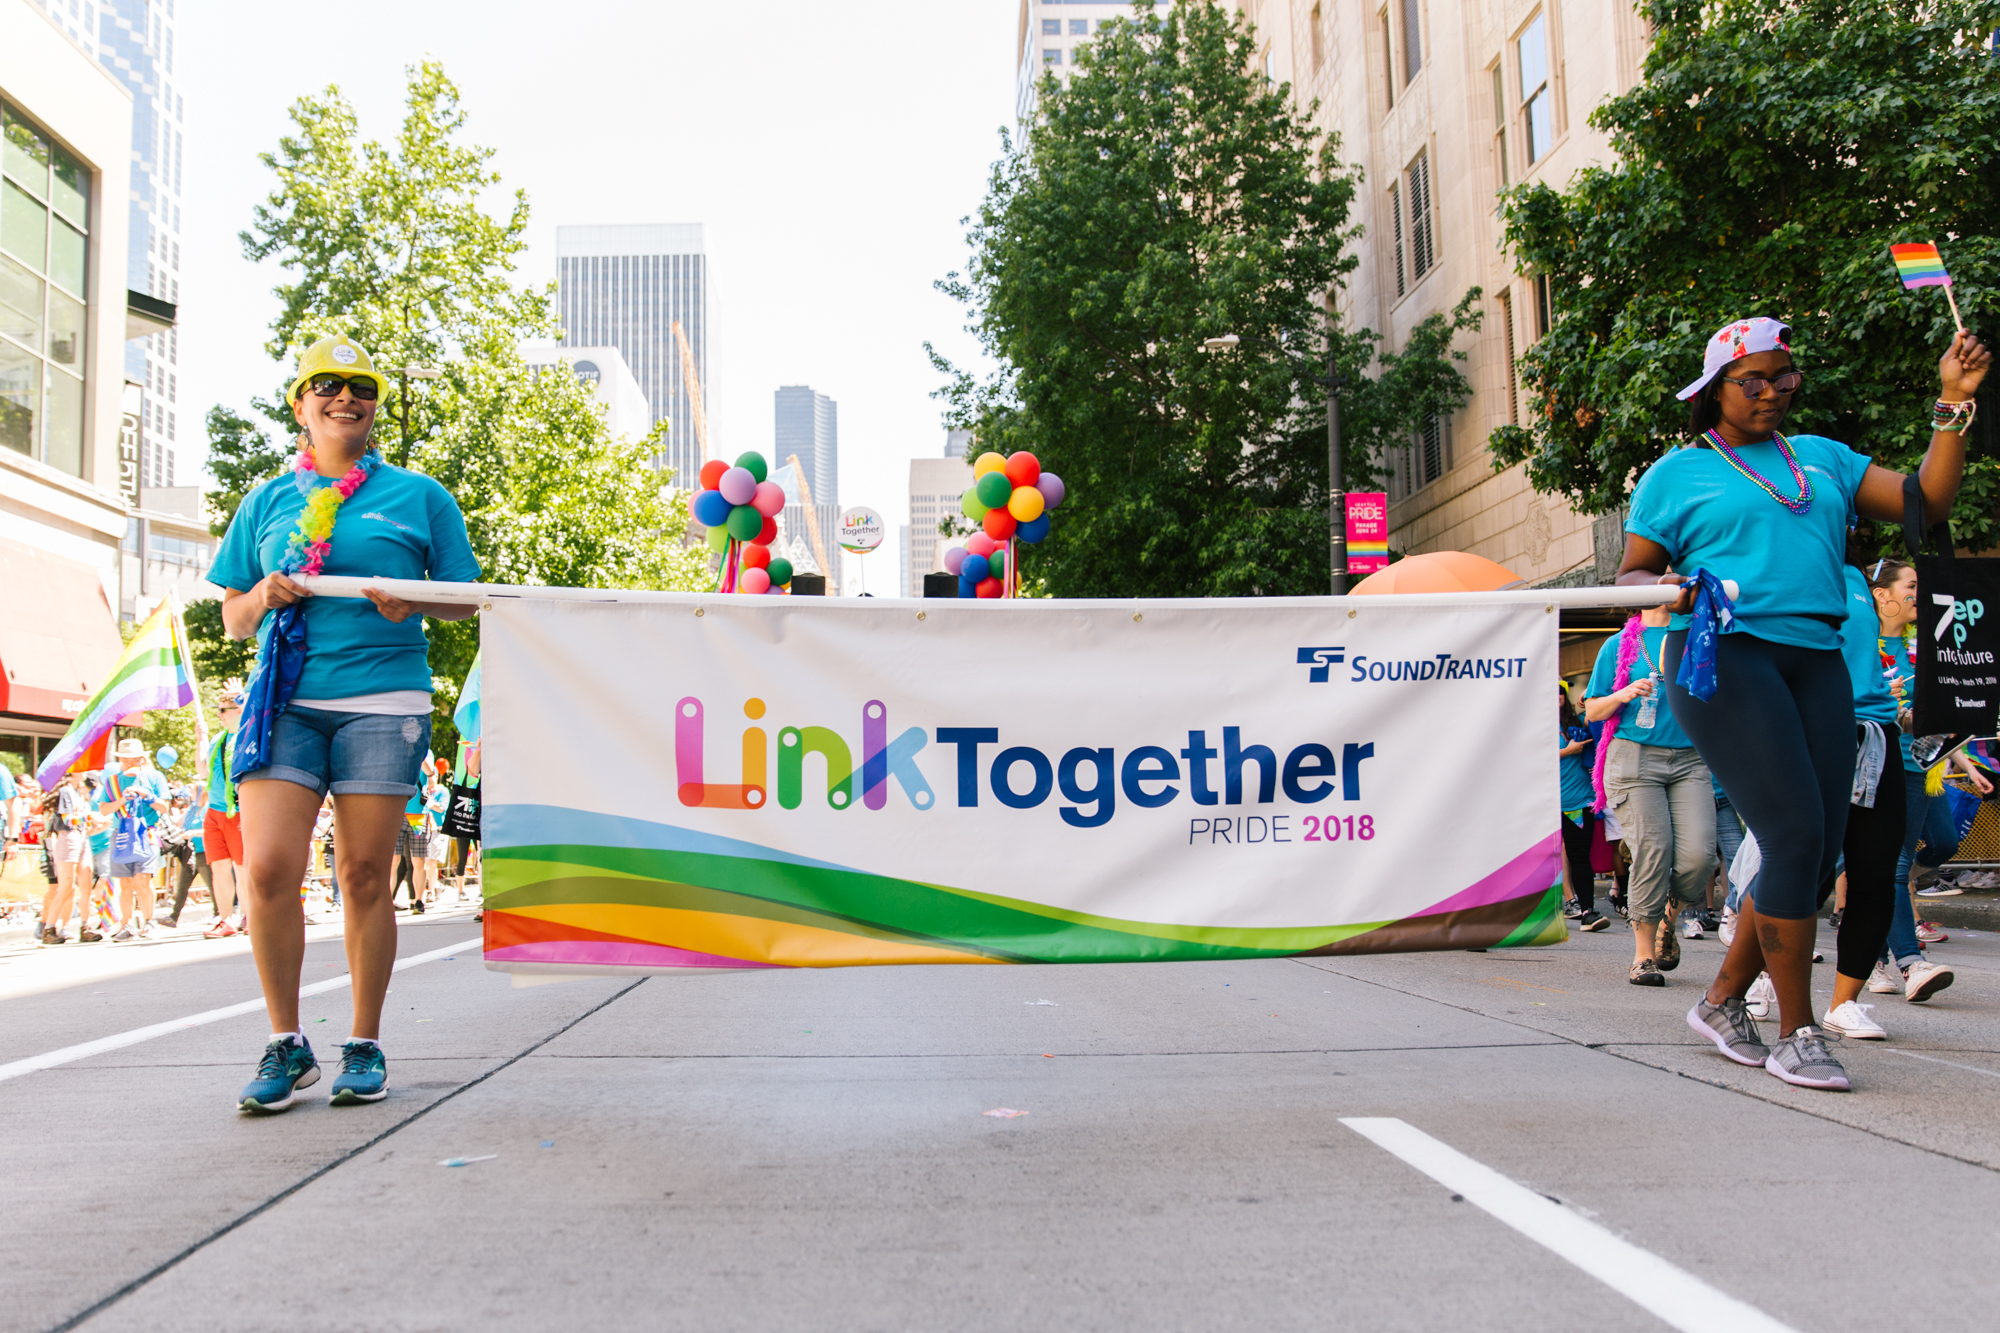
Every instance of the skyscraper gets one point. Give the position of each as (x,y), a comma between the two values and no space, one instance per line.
(808,424)
(1051,31)
(936,485)
(134,39)
(626,287)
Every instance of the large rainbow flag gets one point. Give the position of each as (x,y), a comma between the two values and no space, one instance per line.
(152,673)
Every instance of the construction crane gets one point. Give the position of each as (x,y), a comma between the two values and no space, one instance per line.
(812,515)
(693,382)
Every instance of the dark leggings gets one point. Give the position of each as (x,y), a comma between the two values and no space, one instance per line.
(1576,850)
(1874,844)
(1779,736)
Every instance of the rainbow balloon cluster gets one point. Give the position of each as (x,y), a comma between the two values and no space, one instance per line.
(1009,498)
(739,506)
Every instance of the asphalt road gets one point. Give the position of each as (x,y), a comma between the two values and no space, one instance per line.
(812,1150)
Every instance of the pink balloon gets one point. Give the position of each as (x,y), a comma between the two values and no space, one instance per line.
(769,499)
(981,544)
(1052,489)
(738,486)
(954,559)
(754,580)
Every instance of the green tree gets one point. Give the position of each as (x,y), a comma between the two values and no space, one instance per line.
(1168,195)
(1769,157)
(391,246)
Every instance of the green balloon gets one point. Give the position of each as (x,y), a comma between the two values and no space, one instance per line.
(968,504)
(780,570)
(754,465)
(745,522)
(718,540)
(993,488)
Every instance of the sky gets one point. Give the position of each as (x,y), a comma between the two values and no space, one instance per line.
(830,152)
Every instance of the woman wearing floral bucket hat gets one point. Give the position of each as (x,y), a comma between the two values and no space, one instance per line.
(340,700)
(1765,694)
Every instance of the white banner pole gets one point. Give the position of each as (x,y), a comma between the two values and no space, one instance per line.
(423,590)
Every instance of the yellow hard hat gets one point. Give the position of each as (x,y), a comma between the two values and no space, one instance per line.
(338,355)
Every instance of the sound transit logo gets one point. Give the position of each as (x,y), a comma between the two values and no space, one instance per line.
(1322,661)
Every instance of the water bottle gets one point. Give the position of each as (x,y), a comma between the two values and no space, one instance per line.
(1649,706)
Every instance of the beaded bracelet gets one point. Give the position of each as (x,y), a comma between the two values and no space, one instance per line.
(1955,418)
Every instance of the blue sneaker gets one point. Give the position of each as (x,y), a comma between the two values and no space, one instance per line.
(364,1074)
(284,1069)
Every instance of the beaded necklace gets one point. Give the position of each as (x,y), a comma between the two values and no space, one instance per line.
(307,547)
(1798,506)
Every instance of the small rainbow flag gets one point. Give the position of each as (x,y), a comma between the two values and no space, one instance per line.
(1920,265)
(152,673)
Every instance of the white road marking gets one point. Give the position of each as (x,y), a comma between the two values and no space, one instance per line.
(84,1050)
(1671,1294)
(1970,1069)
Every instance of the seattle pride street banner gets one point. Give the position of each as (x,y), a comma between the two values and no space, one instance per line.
(714,782)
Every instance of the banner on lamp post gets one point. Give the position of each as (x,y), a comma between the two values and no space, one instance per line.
(722,782)
(1367,532)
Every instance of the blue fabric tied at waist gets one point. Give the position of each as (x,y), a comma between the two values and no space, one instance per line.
(1713,612)
(272,686)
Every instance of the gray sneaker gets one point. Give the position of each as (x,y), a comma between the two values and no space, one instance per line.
(1731,1028)
(1803,1058)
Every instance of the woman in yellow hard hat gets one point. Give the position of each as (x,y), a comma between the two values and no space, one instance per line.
(341,700)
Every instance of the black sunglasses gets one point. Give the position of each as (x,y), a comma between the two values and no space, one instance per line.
(329,386)
(1753,386)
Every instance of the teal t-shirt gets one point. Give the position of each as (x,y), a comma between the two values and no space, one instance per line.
(136,791)
(399,525)
(1787,566)
(1665,732)
(1898,651)
(1577,791)
(1872,700)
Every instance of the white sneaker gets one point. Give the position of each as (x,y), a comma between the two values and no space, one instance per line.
(1941,889)
(1925,979)
(1885,980)
(1691,929)
(1727,930)
(1851,1020)
(1762,997)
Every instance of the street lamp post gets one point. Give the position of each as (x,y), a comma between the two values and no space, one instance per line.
(404,374)
(1336,500)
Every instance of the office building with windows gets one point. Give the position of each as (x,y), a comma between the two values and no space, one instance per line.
(936,486)
(808,425)
(1443,103)
(1051,32)
(627,287)
(627,415)
(68,463)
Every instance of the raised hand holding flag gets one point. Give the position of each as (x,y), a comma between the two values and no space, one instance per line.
(1920,265)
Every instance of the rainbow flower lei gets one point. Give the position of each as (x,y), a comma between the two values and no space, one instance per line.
(306,549)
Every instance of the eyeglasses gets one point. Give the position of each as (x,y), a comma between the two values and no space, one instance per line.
(1753,386)
(329,386)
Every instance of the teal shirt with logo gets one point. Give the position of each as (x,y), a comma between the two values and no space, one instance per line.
(398,525)
(1665,732)
(1787,566)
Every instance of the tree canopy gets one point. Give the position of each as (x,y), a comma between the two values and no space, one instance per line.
(1770,155)
(391,246)
(1168,195)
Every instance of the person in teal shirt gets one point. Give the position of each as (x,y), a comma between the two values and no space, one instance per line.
(1574,748)
(359,722)
(1659,790)
(131,799)
(1744,501)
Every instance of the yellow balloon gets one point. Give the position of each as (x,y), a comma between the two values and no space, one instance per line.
(1025,504)
(986,463)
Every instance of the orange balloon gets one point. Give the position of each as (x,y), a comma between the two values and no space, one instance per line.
(999,524)
(1026,504)
(711,473)
(756,557)
(1023,469)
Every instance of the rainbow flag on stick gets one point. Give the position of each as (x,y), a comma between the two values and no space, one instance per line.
(152,673)
(1920,265)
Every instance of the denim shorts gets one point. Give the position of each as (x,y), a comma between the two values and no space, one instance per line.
(365,754)
(145,865)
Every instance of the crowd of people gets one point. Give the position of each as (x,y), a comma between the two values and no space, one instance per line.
(1740,748)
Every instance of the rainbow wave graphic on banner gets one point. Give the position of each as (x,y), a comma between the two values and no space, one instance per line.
(575,890)
(151,673)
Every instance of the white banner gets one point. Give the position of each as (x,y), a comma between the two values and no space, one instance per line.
(716,781)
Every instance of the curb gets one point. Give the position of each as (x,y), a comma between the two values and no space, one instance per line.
(1969,911)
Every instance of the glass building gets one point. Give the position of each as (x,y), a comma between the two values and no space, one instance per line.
(626,287)
(808,424)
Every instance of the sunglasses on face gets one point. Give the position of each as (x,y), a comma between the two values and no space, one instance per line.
(1753,386)
(363,388)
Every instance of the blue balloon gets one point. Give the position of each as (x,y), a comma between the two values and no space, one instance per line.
(975,569)
(710,509)
(967,588)
(167,756)
(1035,531)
